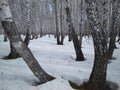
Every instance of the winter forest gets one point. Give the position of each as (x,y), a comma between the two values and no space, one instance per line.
(59,44)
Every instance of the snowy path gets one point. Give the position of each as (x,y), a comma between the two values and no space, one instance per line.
(57,61)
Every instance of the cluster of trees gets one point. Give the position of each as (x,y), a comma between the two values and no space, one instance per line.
(74,18)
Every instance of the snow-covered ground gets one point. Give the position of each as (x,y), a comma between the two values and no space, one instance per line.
(57,60)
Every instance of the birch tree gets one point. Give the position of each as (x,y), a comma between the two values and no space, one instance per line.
(25,16)
(28,20)
(79,53)
(98,16)
(113,29)
(58,9)
(11,32)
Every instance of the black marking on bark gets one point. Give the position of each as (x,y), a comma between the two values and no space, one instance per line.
(4,4)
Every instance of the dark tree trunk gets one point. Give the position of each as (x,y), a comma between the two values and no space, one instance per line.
(56,23)
(97,80)
(77,47)
(113,31)
(79,53)
(27,38)
(41,33)
(62,39)
(111,46)
(118,40)
(5,38)
(58,40)
(13,54)
(80,40)
(34,36)
(61,23)
(69,36)
(15,39)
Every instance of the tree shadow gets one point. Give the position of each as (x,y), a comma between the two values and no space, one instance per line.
(30,79)
(112,86)
(113,58)
(109,86)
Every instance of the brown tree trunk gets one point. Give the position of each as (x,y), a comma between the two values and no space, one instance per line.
(15,39)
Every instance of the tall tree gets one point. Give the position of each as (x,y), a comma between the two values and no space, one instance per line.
(77,46)
(56,22)
(11,32)
(13,53)
(97,80)
(62,35)
(28,20)
(97,13)
(59,21)
(81,23)
(113,30)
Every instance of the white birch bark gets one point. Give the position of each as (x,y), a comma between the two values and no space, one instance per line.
(5,13)
(15,39)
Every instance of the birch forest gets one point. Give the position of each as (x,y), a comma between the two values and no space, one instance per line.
(23,21)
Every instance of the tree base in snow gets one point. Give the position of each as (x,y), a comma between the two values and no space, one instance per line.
(87,86)
(113,58)
(80,59)
(39,82)
(9,57)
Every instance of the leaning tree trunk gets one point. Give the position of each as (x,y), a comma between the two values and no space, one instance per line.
(79,53)
(11,32)
(13,53)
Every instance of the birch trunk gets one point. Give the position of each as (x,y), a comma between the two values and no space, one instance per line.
(78,50)
(98,19)
(15,39)
(113,30)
